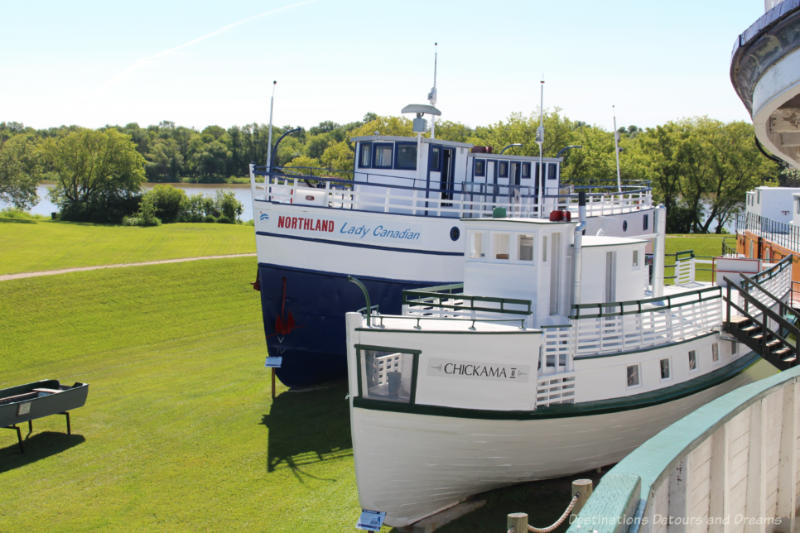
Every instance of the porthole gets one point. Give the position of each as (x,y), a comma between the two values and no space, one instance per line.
(455,233)
(624,225)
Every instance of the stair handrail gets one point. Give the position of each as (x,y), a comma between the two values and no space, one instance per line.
(767,312)
(783,306)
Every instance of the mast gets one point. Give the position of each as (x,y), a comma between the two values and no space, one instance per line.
(269,135)
(432,94)
(540,142)
(616,147)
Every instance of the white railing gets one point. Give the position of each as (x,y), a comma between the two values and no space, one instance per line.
(685,271)
(412,197)
(557,350)
(685,316)
(555,389)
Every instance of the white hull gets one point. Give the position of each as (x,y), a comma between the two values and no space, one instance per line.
(413,465)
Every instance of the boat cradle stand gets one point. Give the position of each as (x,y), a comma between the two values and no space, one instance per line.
(30,430)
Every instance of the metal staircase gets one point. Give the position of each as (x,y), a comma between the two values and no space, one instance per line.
(762,321)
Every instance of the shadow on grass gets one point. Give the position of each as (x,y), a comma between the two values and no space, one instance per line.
(38,446)
(544,501)
(306,427)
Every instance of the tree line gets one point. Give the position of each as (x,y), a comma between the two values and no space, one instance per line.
(699,168)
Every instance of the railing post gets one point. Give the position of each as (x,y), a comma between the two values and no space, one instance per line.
(517,522)
(582,488)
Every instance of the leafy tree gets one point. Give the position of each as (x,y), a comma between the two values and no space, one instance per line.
(164,161)
(20,170)
(384,126)
(338,159)
(98,174)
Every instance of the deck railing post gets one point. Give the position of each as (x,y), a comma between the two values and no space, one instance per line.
(582,488)
(517,522)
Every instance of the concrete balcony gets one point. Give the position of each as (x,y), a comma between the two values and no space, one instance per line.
(765,71)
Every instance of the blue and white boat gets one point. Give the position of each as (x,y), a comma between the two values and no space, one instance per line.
(395,224)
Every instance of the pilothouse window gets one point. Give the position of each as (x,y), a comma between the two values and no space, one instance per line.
(406,156)
(383,156)
(365,159)
(479,168)
(526,247)
(501,245)
(476,245)
(386,374)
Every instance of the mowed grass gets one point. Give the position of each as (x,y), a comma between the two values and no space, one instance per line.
(178,433)
(35,245)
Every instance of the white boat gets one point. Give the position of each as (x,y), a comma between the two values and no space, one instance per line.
(396,224)
(559,354)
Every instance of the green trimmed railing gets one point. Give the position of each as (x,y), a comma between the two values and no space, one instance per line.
(448,297)
(645,305)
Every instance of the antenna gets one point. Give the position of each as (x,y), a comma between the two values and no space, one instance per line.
(616,147)
(432,94)
(269,136)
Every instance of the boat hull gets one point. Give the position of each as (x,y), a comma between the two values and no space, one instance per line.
(303,312)
(412,465)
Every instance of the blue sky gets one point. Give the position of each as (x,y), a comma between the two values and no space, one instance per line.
(197,63)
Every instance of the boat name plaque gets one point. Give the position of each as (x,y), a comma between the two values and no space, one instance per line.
(469,369)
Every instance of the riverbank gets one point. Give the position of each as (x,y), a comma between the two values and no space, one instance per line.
(241,191)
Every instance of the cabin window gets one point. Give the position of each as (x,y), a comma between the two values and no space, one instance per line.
(552,171)
(515,174)
(526,170)
(502,169)
(664,364)
(692,360)
(797,206)
(406,156)
(435,162)
(767,254)
(525,246)
(645,222)
(382,155)
(633,375)
(715,352)
(734,347)
(501,245)
(544,249)
(758,197)
(636,259)
(365,155)
(476,245)
(479,167)
(386,374)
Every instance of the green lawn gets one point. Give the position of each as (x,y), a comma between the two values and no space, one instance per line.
(178,433)
(32,245)
(703,245)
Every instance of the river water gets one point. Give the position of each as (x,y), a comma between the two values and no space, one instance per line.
(241,191)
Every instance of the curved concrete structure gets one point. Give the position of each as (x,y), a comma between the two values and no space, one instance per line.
(765,71)
(731,465)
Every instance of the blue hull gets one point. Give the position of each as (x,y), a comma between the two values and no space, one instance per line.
(303,312)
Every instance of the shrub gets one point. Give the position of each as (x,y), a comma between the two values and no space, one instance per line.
(196,208)
(146,216)
(228,206)
(167,201)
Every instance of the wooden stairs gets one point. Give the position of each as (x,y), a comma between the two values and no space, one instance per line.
(767,324)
